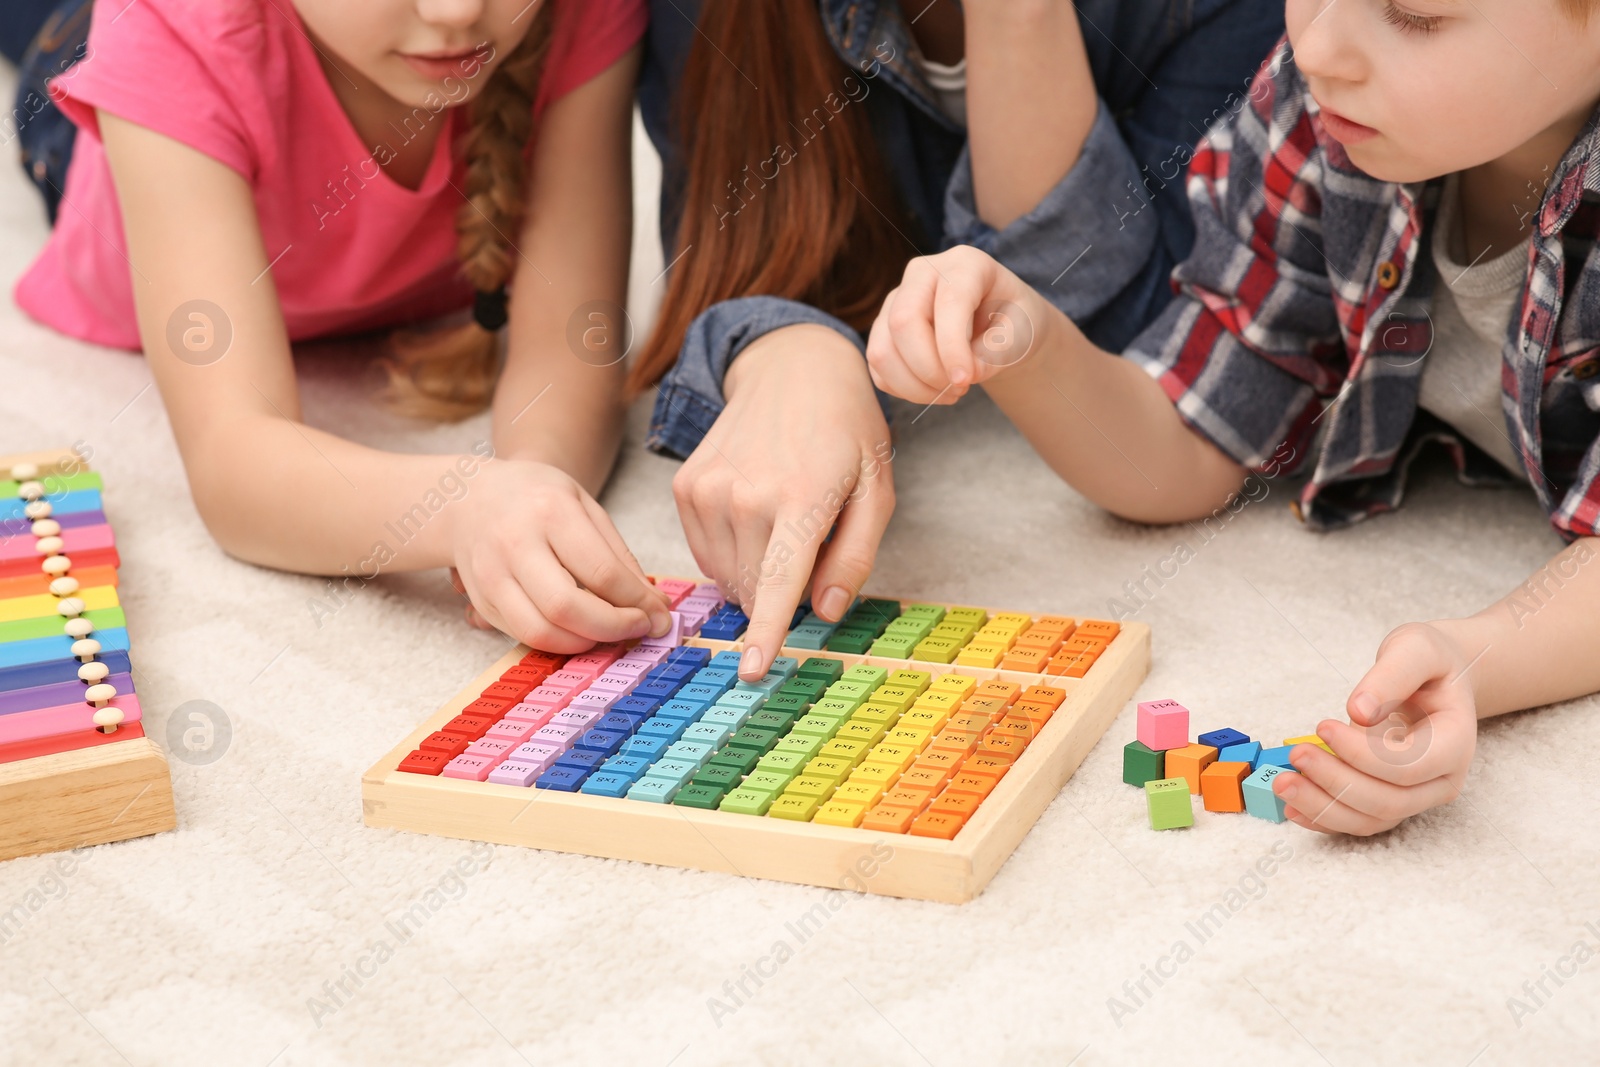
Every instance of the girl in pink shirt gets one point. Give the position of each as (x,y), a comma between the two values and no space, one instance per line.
(250,173)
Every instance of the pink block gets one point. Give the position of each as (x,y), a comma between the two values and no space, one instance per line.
(538,754)
(561,736)
(473,768)
(613,681)
(1163,724)
(514,730)
(634,666)
(570,680)
(74,539)
(583,720)
(675,588)
(669,639)
(490,748)
(549,696)
(511,773)
(595,699)
(710,591)
(531,714)
(589,661)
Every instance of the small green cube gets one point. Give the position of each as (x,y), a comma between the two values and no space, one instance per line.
(787,703)
(806,686)
(771,720)
(768,782)
(747,802)
(825,667)
(850,641)
(863,672)
(1169,802)
(717,776)
(742,760)
(1141,764)
(754,738)
(783,762)
(695,795)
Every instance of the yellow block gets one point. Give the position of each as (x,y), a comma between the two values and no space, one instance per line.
(901,756)
(961,685)
(866,793)
(43,605)
(986,655)
(898,697)
(840,813)
(843,748)
(909,735)
(797,808)
(1309,739)
(881,774)
(929,719)
(1012,619)
(833,769)
(862,730)
(937,701)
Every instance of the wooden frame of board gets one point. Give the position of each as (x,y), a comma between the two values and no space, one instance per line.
(834,857)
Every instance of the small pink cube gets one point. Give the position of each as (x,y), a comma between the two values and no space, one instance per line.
(675,588)
(531,714)
(519,774)
(1163,724)
(513,730)
(472,768)
(538,754)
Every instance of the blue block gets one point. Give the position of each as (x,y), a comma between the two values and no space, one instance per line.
(654,790)
(673,672)
(668,730)
(676,770)
(721,677)
(38,650)
(631,767)
(731,717)
(566,779)
(727,660)
(657,690)
(686,711)
(695,752)
(1221,739)
(1249,752)
(57,670)
(712,733)
(644,707)
(766,685)
(607,784)
(1259,799)
(70,502)
(691,655)
(700,693)
(617,722)
(582,759)
(747,700)
(605,742)
(1276,757)
(648,747)
(787,666)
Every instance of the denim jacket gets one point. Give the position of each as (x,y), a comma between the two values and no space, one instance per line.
(1100,244)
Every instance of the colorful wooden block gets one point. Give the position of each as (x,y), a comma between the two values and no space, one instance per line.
(1163,724)
(1168,801)
(1221,786)
(1189,762)
(1221,739)
(1308,739)
(1259,799)
(1141,763)
(1249,752)
(1276,757)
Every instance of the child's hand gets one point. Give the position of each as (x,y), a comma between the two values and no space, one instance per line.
(1415,727)
(958,319)
(542,562)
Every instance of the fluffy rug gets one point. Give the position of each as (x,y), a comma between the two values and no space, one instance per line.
(263,931)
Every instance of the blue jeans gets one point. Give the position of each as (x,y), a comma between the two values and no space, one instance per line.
(1101,245)
(44,38)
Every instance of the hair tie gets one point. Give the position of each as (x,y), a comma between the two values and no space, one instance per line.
(489,308)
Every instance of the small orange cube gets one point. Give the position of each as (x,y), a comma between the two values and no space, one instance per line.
(1222,786)
(1027,658)
(1045,694)
(992,763)
(1188,762)
(962,804)
(922,778)
(1070,664)
(931,823)
(1106,631)
(905,796)
(889,819)
(972,782)
(945,763)
(1006,691)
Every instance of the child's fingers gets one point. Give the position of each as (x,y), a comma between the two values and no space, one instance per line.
(705,526)
(955,309)
(911,321)
(548,581)
(1333,778)
(651,600)
(777,595)
(1406,748)
(845,562)
(507,605)
(1408,659)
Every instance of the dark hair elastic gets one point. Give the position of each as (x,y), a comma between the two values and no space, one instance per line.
(489,308)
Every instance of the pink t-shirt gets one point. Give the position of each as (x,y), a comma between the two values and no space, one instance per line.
(238,80)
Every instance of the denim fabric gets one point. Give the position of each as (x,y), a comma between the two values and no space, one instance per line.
(1101,245)
(58,32)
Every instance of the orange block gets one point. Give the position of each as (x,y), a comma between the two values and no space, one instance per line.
(961,743)
(1079,643)
(962,804)
(889,819)
(974,783)
(1058,624)
(1222,786)
(968,720)
(922,778)
(936,824)
(995,744)
(1006,691)
(905,796)
(1038,714)
(992,708)
(946,763)
(1039,639)
(1070,664)
(1106,631)
(1189,762)
(993,763)
(1045,694)
(1026,658)
(1014,725)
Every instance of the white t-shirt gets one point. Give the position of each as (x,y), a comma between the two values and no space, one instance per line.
(949,84)
(1472,309)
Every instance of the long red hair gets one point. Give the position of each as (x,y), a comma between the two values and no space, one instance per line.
(785,191)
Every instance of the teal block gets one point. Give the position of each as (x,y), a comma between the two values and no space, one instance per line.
(784,665)
(721,714)
(1168,800)
(673,770)
(1249,752)
(1259,799)
(695,751)
(1275,757)
(1141,763)
(654,790)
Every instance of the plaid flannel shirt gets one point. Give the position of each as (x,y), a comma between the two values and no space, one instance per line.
(1304,310)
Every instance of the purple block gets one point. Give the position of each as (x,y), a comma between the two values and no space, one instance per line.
(538,754)
(557,735)
(613,681)
(520,774)
(594,700)
(583,719)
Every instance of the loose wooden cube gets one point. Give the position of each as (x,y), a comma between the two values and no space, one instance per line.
(1141,763)
(1259,799)
(1168,801)
(1163,724)
(1221,786)
(1188,762)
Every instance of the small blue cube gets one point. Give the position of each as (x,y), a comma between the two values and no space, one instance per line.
(1259,799)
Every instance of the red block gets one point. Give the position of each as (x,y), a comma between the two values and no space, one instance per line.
(422,761)
(469,726)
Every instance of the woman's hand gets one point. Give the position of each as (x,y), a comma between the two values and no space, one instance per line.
(542,562)
(1413,728)
(801,448)
(957,320)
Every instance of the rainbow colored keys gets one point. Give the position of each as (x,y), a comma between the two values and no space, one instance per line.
(911,750)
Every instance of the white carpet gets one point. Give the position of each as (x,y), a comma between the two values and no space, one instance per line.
(219,943)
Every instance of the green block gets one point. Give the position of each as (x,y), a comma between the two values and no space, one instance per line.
(794,703)
(813,725)
(753,737)
(866,620)
(825,667)
(803,745)
(771,720)
(768,782)
(932,612)
(740,759)
(862,672)
(811,688)
(1141,764)
(894,647)
(851,642)
(54,482)
(1169,802)
(810,638)
(877,714)
(747,802)
(889,610)
(811,786)
(695,795)
(717,776)
(909,626)
(936,649)
(783,762)
(855,692)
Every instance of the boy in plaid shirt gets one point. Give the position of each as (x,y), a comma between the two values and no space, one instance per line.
(1395,244)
